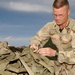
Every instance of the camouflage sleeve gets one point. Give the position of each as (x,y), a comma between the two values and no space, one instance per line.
(42,35)
(69,55)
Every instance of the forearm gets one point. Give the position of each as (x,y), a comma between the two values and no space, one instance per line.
(40,39)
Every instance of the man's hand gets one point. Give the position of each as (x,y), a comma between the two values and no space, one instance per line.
(33,46)
(43,51)
(47,51)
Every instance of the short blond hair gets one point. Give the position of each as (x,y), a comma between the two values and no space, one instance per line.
(60,3)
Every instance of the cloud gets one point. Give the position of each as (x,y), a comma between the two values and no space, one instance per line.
(9,38)
(30,5)
(16,41)
(19,41)
(25,6)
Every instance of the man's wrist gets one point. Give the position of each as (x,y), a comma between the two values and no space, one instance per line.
(56,54)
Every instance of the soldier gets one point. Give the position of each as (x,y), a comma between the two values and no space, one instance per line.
(62,33)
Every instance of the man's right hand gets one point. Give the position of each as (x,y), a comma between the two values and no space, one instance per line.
(33,46)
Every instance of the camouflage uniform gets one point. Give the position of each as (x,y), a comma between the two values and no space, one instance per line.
(65,43)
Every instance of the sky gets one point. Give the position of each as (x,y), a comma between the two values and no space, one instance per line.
(20,20)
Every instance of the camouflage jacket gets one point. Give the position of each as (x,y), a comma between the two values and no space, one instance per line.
(64,41)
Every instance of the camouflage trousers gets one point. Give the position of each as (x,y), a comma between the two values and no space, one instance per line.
(64,68)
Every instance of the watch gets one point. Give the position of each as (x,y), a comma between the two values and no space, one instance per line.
(56,53)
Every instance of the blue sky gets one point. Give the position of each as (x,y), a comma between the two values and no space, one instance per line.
(21,19)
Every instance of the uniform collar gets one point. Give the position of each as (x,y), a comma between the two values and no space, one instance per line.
(68,25)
